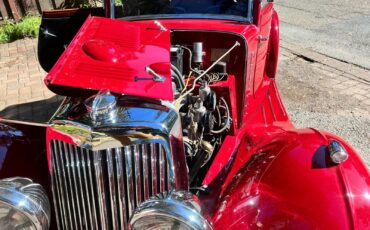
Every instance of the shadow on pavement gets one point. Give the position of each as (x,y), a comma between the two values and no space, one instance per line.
(37,111)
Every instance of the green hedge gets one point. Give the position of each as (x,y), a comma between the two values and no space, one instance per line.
(27,27)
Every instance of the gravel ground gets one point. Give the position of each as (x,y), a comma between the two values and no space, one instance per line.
(339,29)
(312,101)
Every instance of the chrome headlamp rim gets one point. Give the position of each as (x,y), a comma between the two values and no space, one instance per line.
(28,198)
(181,206)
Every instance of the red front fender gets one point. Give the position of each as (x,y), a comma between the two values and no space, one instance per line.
(293,184)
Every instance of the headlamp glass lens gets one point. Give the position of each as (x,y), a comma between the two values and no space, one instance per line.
(159,222)
(11,219)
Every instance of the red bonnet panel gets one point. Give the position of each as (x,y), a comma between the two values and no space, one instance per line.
(110,54)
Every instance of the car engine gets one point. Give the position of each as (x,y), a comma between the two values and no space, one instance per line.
(205,112)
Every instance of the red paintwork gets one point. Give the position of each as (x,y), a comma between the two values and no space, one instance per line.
(289,183)
(104,57)
(267,174)
(273,51)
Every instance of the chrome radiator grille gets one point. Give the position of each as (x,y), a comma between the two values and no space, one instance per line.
(101,189)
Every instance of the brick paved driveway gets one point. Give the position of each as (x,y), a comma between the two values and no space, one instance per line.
(22,92)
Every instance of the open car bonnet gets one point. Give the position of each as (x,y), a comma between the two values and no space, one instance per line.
(115,55)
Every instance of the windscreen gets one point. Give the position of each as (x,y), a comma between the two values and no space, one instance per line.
(232,9)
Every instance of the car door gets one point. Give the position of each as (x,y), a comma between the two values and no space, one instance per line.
(264,24)
(57,29)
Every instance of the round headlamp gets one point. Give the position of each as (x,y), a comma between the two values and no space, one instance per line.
(23,205)
(173,210)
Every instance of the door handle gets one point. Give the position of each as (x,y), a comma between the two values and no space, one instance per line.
(262,39)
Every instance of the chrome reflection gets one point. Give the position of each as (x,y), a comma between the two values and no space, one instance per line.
(23,205)
(102,171)
(102,108)
(337,152)
(106,200)
(180,209)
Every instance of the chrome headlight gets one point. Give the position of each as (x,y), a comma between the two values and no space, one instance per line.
(173,210)
(23,205)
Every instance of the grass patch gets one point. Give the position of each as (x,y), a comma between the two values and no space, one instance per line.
(28,27)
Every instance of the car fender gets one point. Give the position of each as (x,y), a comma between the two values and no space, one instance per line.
(293,184)
(22,152)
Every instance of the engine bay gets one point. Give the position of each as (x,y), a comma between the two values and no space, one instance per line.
(202,78)
(205,91)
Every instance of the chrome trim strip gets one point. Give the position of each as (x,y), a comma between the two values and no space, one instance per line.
(100,189)
(68,166)
(89,168)
(121,191)
(84,167)
(169,185)
(112,188)
(137,175)
(78,166)
(130,183)
(144,154)
(153,156)
(64,186)
(161,169)
(10,121)
(75,187)
(55,187)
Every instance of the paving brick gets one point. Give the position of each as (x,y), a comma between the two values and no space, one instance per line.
(12,75)
(12,92)
(37,94)
(12,101)
(24,90)
(11,86)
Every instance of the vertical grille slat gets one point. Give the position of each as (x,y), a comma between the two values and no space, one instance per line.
(168,176)
(137,175)
(112,188)
(89,168)
(86,187)
(161,169)
(64,188)
(130,179)
(75,187)
(121,191)
(56,188)
(80,185)
(144,154)
(153,155)
(101,189)
(69,181)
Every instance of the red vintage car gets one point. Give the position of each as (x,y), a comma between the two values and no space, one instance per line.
(172,120)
